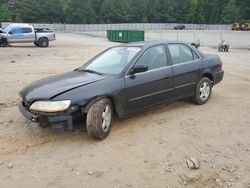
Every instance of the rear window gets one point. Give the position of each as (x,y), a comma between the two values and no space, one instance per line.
(27,30)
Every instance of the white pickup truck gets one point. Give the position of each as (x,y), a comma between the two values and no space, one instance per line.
(25,33)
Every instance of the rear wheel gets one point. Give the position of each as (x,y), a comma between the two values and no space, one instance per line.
(43,42)
(203,91)
(99,119)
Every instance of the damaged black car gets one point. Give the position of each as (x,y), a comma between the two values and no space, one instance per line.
(121,81)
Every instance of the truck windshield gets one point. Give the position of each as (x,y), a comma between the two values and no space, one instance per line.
(113,61)
(6,29)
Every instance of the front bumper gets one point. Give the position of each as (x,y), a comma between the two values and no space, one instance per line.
(218,77)
(59,122)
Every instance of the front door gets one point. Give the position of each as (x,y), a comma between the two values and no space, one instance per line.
(15,34)
(153,86)
(21,34)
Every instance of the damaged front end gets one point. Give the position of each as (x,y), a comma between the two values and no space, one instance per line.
(59,121)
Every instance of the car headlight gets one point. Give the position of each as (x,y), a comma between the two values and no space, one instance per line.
(50,106)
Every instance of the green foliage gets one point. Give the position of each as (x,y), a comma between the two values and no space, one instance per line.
(125,11)
(80,11)
(229,13)
(5,14)
(35,11)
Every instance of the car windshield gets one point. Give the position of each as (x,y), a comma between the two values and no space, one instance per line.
(113,61)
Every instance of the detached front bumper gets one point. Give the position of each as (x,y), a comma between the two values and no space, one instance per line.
(59,122)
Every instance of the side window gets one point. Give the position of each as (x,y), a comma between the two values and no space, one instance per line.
(27,30)
(154,57)
(181,53)
(16,31)
(195,55)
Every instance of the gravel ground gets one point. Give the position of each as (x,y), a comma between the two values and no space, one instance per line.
(149,149)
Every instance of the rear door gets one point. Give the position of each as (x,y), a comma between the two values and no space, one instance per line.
(186,65)
(28,34)
(153,86)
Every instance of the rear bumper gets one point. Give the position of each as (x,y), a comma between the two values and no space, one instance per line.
(218,77)
(59,122)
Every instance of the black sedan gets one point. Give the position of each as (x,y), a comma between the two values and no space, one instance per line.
(179,27)
(121,81)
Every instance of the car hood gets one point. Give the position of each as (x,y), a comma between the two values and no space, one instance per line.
(50,87)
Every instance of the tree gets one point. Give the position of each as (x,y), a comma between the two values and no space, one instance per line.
(167,10)
(229,13)
(33,11)
(80,11)
(125,11)
(5,14)
(106,13)
(138,11)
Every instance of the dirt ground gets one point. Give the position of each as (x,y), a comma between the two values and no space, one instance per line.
(146,150)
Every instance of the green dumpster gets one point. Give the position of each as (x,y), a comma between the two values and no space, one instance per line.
(125,35)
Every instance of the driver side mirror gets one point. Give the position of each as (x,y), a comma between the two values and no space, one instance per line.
(138,69)
(10,32)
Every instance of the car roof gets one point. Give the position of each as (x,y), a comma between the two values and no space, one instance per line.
(19,25)
(146,44)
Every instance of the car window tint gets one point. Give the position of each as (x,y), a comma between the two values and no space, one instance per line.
(180,53)
(27,30)
(154,57)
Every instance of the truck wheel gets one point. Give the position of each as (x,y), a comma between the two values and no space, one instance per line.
(43,42)
(3,43)
(203,91)
(99,119)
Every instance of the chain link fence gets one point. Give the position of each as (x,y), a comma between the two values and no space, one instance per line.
(129,26)
(208,35)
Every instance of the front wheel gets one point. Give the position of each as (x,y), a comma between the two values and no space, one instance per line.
(3,43)
(99,119)
(203,91)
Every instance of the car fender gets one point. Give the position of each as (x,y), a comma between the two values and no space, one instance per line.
(117,105)
(208,73)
